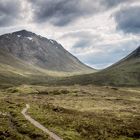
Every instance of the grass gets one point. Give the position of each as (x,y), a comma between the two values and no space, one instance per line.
(12,124)
(125,74)
(72,112)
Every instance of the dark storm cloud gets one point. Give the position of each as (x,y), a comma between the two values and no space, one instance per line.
(9,11)
(63,12)
(56,12)
(128,20)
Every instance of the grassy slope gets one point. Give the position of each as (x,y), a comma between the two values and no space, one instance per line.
(14,71)
(126,73)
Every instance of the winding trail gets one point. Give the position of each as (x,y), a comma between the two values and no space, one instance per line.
(38,125)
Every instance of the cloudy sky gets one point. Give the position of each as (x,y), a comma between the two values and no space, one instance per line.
(98,32)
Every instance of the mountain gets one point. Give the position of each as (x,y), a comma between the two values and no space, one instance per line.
(39,52)
(29,58)
(126,72)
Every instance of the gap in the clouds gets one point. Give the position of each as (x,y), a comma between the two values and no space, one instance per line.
(109,55)
(100,66)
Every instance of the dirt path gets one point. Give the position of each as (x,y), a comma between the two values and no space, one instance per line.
(38,125)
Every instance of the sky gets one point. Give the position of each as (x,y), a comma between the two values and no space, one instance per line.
(98,32)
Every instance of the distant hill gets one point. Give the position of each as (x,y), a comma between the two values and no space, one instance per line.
(126,72)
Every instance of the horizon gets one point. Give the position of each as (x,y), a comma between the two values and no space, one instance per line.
(98,34)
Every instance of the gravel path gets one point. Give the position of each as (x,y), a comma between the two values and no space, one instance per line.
(38,125)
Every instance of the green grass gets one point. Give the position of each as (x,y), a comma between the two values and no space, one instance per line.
(88,112)
(13,125)
(72,112)
(124,74)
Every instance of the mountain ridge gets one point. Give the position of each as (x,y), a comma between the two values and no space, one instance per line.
(40,51)
(125,72)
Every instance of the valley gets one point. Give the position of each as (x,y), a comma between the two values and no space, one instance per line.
(69,70)
(46,93)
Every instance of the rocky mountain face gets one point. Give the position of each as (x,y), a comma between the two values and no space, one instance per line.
(39,52)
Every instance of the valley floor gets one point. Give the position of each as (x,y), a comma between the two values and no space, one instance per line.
(71,112)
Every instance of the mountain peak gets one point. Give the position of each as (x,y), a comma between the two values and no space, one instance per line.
(24,33)
(138,51)
(40,52)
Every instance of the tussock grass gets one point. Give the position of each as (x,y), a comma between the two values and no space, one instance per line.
(72,112)
(90,113)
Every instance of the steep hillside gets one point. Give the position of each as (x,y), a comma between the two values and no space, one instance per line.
(124,73)
(40,52)
(27,58)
